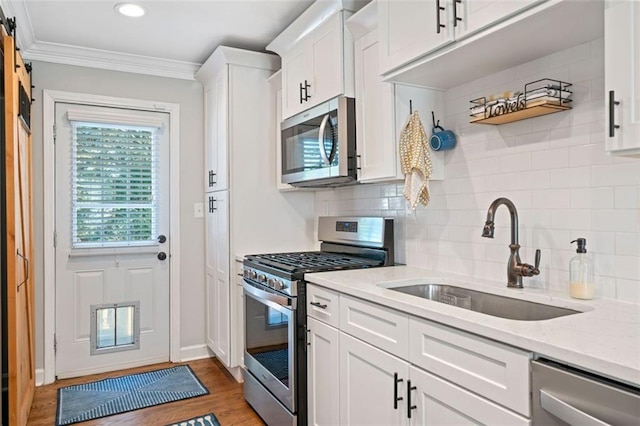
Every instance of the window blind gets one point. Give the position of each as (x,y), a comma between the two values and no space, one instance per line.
(114,185)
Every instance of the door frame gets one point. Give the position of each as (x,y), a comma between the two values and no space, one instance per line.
(50,97)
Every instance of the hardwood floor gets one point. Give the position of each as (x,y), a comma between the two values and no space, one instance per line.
(225,400)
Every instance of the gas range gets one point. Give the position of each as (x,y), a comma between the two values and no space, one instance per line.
(275,310)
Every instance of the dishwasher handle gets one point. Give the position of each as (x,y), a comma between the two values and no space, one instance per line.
(566,412)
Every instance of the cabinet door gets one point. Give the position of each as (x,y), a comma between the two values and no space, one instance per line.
(296,70)
(367,384)
(622,67)
(210,154)
(478,14)
(327,60)
(409,29)
(216,113)
(323,376)
(439,402)
(218,291)
(374,131)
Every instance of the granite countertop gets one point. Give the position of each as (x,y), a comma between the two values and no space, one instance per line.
(604,338)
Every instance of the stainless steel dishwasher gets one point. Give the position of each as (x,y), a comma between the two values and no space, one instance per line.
(565,396)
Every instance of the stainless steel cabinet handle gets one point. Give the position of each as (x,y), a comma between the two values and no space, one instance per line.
(319,305)
(567,413)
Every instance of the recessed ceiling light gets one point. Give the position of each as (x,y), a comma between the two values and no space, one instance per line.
(129,9)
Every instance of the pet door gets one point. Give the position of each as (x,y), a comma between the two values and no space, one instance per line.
(115,327)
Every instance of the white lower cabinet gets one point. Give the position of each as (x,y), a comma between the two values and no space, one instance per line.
(217,286)
(439,402)
(322,374)
(369,395)
(448,377)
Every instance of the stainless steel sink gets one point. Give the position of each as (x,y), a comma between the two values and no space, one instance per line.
(486,303)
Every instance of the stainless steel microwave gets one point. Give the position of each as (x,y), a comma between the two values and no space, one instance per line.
(319,145)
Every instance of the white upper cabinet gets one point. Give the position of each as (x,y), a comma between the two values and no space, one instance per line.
(622,68)
(477,37)
(413,28)
(377,136)
(317,58)
(215,109)
(410,29)
(469,16)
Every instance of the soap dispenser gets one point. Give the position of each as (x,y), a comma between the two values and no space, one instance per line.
(581,272)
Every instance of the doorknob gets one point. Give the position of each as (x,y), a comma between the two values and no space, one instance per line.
(162,255)
(162,239)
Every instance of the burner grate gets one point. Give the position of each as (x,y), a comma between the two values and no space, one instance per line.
(316,260)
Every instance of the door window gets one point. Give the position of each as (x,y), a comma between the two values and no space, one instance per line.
(114,189)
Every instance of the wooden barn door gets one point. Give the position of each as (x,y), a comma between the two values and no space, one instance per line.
(19,236)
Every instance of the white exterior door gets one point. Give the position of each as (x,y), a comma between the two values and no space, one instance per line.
(112,243)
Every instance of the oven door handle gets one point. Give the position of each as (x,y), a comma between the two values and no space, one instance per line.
(283,301)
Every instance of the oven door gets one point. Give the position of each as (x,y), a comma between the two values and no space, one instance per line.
(270,341)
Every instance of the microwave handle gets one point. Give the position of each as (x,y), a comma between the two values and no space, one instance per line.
(323,151)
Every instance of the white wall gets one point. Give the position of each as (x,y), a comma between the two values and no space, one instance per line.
(109,83)
(554,169)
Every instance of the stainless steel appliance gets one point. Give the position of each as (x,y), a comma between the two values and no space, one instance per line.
(319,145)
(565,396)
(275,310)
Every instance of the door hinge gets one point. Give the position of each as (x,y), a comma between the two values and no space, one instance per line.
(55,343)
(55,239)
(54,133)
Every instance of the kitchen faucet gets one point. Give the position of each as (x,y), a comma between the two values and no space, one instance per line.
(515,269)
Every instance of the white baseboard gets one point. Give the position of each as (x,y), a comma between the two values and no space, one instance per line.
(193,352)
(39,376)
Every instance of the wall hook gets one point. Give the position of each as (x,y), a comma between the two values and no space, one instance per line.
(410,107)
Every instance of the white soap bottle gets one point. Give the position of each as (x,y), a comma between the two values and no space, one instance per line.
(581,272)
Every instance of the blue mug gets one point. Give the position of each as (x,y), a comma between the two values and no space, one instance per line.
(442,139)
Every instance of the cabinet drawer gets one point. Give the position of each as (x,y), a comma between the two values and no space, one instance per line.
(323,304)
(382,327)
(496,371)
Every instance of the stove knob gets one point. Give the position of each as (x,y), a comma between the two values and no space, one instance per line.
(279,285)
(253,275)
(246,273)
(262,278)
(271,282)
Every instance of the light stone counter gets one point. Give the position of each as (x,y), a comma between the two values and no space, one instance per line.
(604,338)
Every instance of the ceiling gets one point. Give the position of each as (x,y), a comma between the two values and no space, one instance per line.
(172,39)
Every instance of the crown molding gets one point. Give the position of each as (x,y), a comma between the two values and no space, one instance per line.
(104,59)
(34,50)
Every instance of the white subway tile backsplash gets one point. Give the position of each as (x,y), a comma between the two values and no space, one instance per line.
(616,220)
(551,198)
(616,174)
(574,177)
(627,197)
(627,244)
(592,198)
(587,155)
(628,290)
(574,219)
(550,159)
(555,170)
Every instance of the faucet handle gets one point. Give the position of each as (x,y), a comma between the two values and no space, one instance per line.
(527,270)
